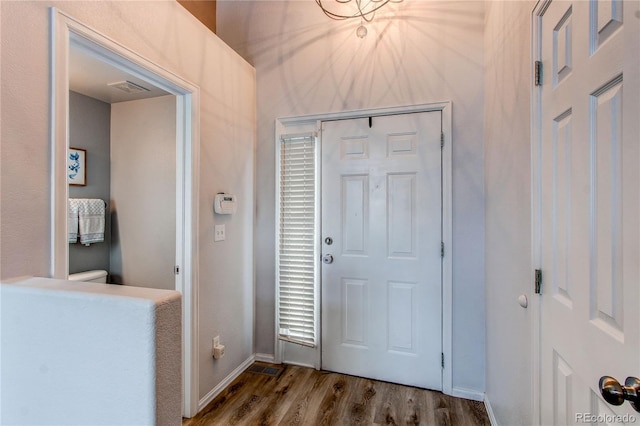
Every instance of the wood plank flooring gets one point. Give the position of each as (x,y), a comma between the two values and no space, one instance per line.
(304,396)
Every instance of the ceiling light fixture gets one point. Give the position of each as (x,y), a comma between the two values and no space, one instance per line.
(348,9)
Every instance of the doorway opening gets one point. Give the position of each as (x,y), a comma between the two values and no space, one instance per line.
(68,37)
(286,128)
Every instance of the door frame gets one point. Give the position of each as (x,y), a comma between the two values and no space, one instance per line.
(68,32)
(536,205)
(312,123)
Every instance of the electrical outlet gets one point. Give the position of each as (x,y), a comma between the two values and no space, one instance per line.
(217,351)
(214,344)
(219,233)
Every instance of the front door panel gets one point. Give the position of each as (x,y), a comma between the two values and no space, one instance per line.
(381,206)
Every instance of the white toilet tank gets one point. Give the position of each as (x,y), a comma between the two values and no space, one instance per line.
(96,276)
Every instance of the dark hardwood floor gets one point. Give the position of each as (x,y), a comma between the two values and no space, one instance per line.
(303,396)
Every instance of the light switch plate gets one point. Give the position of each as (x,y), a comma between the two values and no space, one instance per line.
(219,233)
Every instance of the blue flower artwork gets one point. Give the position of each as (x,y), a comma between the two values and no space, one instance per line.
(76,166)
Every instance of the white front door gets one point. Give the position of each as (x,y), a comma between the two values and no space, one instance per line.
(589,213)
(382,225)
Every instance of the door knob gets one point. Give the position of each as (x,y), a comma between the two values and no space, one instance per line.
(615,394)
(327,258)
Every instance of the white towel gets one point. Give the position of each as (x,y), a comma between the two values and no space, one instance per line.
(91,220)
(72,220)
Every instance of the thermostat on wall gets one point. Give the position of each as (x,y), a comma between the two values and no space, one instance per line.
(224,203)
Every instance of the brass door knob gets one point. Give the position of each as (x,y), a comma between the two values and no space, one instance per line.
(615,394)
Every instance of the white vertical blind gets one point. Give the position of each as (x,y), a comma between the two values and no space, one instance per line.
(297,240)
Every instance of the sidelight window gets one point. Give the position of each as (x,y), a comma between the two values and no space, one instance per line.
(297,252)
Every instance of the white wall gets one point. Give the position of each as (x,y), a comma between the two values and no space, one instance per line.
(92,354)
(428,51)
(143,192)
(166,34)
(508,209)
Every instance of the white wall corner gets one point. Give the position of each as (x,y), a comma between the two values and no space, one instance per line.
(224,383)
(487,406)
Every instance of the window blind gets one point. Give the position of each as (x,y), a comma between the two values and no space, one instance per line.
(297,240)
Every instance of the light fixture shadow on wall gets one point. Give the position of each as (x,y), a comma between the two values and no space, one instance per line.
(348,9)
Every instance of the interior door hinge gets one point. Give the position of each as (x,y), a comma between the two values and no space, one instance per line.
(538,281)
(442,249)
(441,139)
(538,73)
(442,353)
(176,269)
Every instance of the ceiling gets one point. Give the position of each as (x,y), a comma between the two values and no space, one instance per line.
(91,77)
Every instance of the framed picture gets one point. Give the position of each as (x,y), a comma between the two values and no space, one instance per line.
(77,167)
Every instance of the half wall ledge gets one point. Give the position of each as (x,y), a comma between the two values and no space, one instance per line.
(88,353)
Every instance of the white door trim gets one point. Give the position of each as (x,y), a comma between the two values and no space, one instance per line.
(65,33)
(311,123)
(536,204)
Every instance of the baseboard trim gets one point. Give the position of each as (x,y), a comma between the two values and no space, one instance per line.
(487,406)
(467,394)
(226,382)
(299,364)
(268,358)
